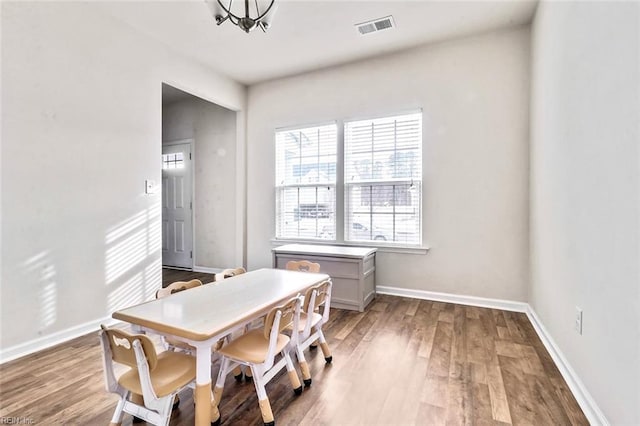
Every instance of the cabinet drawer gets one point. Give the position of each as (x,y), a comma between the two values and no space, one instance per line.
(334,268)
(345,290)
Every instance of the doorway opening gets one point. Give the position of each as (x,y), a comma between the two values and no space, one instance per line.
(199,194)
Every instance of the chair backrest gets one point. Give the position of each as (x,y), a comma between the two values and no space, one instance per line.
(177,287)
(303,266)
(228,273)
(323,296)
(121,346)
(289,313)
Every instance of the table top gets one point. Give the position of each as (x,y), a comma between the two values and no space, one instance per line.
(210,310)
(322,250)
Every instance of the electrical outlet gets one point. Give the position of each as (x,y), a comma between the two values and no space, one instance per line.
(578,321)
(149,186)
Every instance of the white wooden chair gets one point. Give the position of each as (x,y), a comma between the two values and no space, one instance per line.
(228,273)
(170,343)
(220,276)
(178,345)
(302,266)
(315,313)
(177,287)
(157,377)
(258,348)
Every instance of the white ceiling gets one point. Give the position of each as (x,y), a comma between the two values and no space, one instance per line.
(307,35)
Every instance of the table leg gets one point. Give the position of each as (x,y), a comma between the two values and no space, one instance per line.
(206,410)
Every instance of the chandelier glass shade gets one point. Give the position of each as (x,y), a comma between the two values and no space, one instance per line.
(246,14)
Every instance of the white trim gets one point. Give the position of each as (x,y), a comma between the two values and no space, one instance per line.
(398,113)
(277,242)
(505,305)
(241,189)
(177,268)
(304,126)
(178,142)
(44,342)
(579,390)
(206,270)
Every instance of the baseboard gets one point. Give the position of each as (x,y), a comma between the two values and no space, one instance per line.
(206,270)
(176,268)
(505,305)
(580,392)
(44,342)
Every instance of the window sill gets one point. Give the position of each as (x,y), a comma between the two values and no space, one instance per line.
(381,248)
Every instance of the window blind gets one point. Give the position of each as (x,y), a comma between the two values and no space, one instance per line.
(306,182)
(383,179)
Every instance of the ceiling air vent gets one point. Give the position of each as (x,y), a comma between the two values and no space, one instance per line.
(375,25)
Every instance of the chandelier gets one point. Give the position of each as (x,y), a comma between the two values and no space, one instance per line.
(255,13)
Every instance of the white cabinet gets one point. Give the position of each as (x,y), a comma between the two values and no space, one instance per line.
(352,270)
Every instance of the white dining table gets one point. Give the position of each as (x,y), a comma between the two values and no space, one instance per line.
(203,315)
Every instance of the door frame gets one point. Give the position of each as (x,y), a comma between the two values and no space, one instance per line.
(191,143)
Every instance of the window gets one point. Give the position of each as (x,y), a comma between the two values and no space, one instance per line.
(383,177)
(173,161)
(381,187)
(306,182)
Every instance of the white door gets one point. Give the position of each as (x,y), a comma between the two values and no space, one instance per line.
(177,234)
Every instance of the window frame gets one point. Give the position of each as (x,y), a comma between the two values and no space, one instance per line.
(281,188)
(341,188)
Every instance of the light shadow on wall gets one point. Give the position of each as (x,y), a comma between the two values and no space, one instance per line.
(133,263)
(40,270)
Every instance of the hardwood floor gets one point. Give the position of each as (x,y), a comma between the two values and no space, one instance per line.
(401,362)
(172,275)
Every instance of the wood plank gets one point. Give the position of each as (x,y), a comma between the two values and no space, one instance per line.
(440,357)
(172,275)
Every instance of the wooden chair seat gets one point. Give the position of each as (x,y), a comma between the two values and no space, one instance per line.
(174,370)
(315,319)
(252,346)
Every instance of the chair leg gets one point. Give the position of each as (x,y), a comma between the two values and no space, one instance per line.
(176,402)
(222,374)
(267,414)
(165,411)
(116,419)
(325,348)
(138,400)
(304,367)
(293,376)
(237,373)
(263,399)
(248,375)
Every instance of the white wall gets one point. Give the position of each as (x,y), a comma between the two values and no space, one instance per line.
(81,131)
(213,129)
(475,96)
(585,194)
